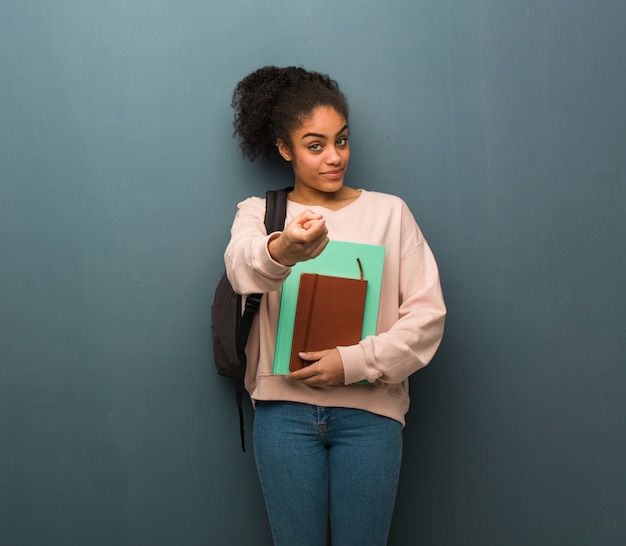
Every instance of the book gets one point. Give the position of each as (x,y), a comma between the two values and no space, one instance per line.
(337,260)
(329,313)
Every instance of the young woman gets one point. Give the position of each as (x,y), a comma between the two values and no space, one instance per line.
(327,444)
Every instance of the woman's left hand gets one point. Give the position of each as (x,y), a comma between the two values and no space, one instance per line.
(326,369)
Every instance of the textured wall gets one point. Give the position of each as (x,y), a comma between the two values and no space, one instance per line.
(501,123)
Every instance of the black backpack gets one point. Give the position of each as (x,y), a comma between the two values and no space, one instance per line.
(230,329)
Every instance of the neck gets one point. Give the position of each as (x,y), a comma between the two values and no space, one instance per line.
(331,200)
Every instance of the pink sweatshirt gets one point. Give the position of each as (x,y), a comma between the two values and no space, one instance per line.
(411,313)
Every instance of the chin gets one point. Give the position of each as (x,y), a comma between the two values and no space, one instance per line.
(332,186)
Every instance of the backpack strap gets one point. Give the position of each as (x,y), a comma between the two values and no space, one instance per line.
(253,302)
(275,213)
(276,209)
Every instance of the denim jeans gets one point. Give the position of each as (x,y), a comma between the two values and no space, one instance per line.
(327,467)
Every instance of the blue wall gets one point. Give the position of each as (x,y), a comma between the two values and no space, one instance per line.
(502,124)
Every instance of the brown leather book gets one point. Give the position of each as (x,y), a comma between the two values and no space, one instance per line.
(329,314)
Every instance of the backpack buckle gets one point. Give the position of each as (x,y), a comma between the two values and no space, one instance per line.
(253,301)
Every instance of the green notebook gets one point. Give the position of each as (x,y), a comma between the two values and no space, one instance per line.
(339,259)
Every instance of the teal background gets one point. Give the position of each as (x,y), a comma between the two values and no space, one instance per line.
(502,124)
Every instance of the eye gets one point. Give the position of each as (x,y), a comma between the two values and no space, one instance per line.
(315,147)
(343,141)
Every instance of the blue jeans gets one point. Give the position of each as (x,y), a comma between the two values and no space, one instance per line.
(322,467)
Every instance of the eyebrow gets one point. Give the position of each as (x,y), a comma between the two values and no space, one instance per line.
(319,135)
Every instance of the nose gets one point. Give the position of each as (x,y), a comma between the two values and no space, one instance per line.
(333,157)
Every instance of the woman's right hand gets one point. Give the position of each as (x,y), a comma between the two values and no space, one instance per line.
(302,239)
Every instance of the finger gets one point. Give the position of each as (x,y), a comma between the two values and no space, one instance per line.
(309,357)
(307,371)
(302,374)
(306,234)
(314,355)
(306,217)
(312,222)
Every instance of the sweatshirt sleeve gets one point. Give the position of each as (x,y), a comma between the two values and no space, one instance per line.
(249,265)
(412,327)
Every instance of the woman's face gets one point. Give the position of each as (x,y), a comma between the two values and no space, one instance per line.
(319,151)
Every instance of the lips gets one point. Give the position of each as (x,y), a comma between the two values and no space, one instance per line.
(333,174)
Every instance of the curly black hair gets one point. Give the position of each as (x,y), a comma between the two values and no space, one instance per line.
(271,102)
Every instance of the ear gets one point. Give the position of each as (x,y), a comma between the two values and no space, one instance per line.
(284,150)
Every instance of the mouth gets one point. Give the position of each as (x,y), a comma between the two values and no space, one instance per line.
(337,173)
